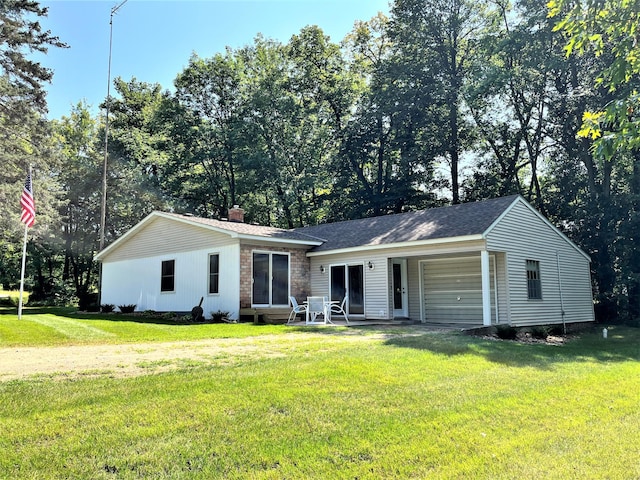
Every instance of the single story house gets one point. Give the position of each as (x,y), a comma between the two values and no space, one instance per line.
(482,263)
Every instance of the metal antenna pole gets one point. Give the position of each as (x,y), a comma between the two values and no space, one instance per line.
(103,213)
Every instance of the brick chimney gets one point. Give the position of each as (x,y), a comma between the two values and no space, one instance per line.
(236,214)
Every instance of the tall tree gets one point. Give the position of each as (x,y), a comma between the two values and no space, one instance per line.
(137,155)
(327,90)
(509,96)
(24,133)
(69,258)
(22,78)
(608,29)
(436,41)
(208,136)
(286,158)
(392,165)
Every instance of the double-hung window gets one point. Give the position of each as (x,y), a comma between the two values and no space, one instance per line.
(214,273)
(534,286)
(168,276)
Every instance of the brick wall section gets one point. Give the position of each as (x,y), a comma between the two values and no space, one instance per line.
(299,273)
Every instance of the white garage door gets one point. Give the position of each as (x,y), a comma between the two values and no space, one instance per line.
(453,290)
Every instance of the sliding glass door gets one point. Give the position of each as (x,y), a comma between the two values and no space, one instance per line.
(270,279)
(348,280)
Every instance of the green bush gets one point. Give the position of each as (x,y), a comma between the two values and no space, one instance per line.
(58,294)
(88,302)
(539,332)
(506,332)
(219,316)
(127,308)
(556,330)
(108,307)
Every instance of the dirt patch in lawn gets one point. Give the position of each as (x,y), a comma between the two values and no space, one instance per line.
(124,360)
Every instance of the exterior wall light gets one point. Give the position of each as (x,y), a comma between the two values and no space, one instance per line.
(371,265)
(322,270)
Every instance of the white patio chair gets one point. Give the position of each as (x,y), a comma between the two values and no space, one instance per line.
(315,308)
(296,309)
(341,308)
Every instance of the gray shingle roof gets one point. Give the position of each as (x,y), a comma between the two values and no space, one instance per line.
(248,229)
(472,218)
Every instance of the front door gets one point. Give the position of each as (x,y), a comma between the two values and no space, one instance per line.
(399,287)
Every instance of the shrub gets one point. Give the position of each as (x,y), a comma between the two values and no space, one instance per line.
(127,308)
(88,302)
(54,293)
(539,332)
(506,332)
(556,330)
(107,307)
(219,316)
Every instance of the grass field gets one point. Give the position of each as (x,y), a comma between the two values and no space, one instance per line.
(61,326)
(396,404)
(8,296)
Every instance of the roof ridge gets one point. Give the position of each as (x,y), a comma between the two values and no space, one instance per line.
(413,212)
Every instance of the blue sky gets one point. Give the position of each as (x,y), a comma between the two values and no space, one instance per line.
(153,40)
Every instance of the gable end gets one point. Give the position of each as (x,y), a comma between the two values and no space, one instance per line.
(521,201)
(159,235)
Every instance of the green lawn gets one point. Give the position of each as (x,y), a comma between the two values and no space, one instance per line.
(420,405)
(65,327)
(14,296)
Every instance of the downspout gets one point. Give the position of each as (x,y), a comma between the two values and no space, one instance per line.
(564,325)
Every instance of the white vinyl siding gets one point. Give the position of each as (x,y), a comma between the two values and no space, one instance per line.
(378,304)
(525,236)
(502,288)
(453,290)
(164,236)
(414,282)
(137,281)
(376,301)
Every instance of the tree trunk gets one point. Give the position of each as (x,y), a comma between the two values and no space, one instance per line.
(454,155)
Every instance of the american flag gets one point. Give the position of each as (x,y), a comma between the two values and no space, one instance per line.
(28,216)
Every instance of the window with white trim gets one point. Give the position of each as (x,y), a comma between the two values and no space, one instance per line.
(168,276)
(270,278)
(534,285)
(214,273)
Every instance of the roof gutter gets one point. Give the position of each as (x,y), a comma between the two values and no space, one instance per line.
(416,243)
(290,241)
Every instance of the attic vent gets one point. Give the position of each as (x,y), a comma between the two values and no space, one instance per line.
(236,214)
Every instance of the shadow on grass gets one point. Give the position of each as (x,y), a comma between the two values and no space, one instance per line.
(622,345)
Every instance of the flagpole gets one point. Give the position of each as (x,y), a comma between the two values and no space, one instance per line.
(24,258)
(24,251)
